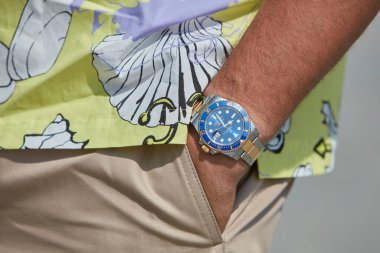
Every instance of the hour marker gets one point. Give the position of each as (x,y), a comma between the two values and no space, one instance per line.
(238,121)
(233,115)
(210,130)
(222,140)
(210,123)
(235,135)
(239,128)
(229,139)
(227,111)
(219,112)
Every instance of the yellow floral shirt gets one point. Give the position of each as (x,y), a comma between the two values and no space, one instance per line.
(78,74)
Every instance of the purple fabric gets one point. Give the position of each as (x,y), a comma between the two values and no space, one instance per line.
(145,18)
(96,23)
(76,4)
(156,14)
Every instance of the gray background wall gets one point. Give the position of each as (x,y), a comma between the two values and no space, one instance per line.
(340,212)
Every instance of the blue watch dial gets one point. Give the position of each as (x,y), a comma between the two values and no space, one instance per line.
(224,126)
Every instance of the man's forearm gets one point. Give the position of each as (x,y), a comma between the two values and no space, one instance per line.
(287,50)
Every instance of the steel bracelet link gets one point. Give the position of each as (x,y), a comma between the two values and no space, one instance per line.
(249,149)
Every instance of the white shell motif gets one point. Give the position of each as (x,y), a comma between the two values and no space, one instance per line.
(36,44)
(152,81)
(303,171)
(56,135)
(7,85)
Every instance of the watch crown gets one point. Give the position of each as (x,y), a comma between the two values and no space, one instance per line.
(205,149)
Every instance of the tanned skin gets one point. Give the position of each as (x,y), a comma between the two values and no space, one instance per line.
(286,51)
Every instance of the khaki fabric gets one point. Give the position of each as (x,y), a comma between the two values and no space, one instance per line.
(133,199)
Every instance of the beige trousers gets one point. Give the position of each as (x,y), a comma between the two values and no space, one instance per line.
(135,199)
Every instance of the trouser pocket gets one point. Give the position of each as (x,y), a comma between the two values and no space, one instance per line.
(199,195)
(137,199)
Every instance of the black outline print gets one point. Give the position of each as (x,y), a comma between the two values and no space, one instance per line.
(304,170)
(152,81)
(322,147)
(158,74)
(276,144)
(329,118)
(7,85)
(24,59)
(58,132)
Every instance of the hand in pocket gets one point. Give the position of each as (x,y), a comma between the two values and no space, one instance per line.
(219,176)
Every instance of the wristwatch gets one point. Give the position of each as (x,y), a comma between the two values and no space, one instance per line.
(225,127)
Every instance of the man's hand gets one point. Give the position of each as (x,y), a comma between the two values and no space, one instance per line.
(286,51)
(219,176)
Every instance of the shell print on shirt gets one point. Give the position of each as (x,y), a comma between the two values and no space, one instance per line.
(155,79)
(127,72)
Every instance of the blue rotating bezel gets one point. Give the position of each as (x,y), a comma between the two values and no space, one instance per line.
(209,142)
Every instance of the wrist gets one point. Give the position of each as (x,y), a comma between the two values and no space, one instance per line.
(264,123)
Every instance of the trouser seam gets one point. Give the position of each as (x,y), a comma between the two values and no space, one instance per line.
(216,237)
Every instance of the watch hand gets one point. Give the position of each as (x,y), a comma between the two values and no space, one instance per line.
(221,121)
(223,125)
(218,128)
